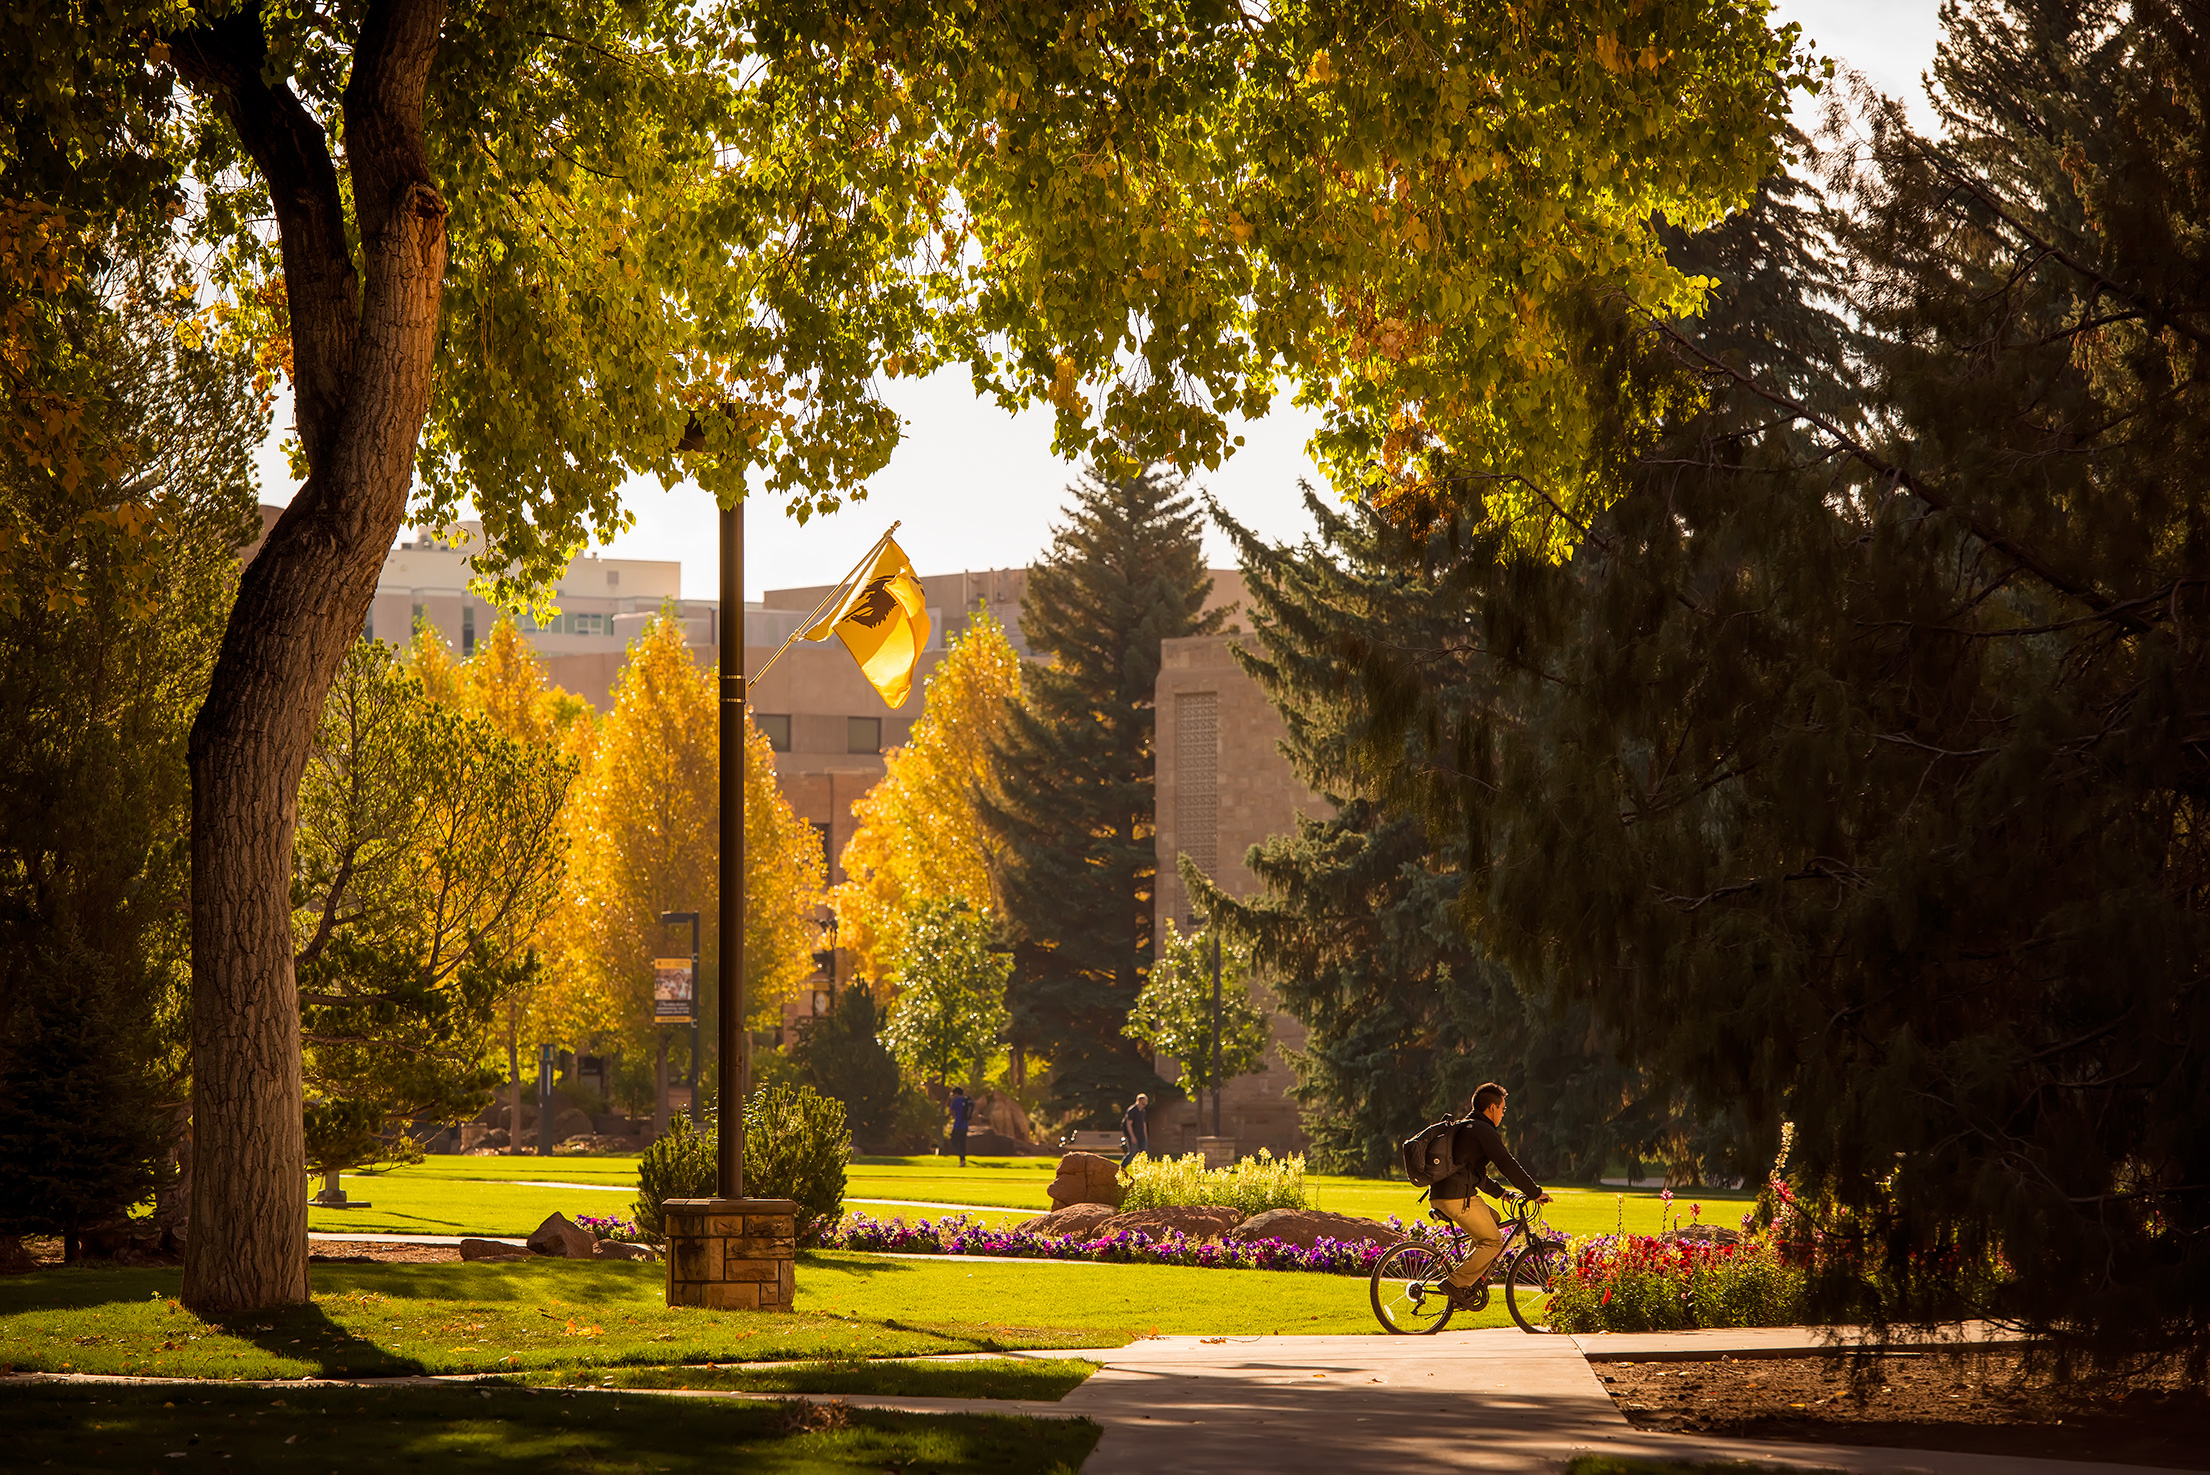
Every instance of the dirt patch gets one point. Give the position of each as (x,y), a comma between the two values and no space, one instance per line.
(366,1251)
(1982,1404)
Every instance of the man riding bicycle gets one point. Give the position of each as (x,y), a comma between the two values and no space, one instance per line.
(1477,1146)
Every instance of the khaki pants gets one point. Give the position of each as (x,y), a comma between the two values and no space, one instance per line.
(1475,1218)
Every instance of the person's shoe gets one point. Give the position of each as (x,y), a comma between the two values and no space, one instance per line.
(1470,1298)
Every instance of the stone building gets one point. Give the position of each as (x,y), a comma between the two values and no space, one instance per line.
(1223,786)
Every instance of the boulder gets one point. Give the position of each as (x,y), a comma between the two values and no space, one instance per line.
(568,1122)
(1198,1221)
(1305,1228)
(1077,1220)
(491,1249)
(997,1112)
(561,1236)
(622,1249)
(1086,1178)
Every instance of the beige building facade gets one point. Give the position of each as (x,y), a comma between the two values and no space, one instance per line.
(1223,785)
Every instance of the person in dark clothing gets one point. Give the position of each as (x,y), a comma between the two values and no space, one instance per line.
(960,1107)
(1477,1146)
(1133,1130)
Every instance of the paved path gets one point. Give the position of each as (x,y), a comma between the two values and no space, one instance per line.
(1491,1400)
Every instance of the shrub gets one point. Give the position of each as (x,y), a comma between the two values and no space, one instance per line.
(796,1146)
(1251,1185)
(680,1164)
(1637,1283)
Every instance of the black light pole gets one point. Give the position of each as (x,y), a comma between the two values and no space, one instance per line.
(677,919)
(1216,1028)
(735,1067)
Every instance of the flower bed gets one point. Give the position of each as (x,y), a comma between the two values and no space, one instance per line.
(1251,1185)
(1641,1283)
(613,1226)
(961,1235)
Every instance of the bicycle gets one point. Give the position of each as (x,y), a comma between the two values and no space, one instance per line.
(1409,1293)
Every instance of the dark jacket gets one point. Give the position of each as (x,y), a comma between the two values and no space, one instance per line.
(1478,1147)
(1132,1127)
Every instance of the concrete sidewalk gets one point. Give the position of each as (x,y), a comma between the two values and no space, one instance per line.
(1492,1400)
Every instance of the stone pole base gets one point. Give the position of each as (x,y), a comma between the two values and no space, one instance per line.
(1219,1151)
(732,1254)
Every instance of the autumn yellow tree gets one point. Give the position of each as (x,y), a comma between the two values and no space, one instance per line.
(644,823)
(920,837)
(505,681)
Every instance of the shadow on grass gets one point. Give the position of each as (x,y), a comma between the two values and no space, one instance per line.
(81,1287)
(504,1280)
(309,1334)
(854,1262)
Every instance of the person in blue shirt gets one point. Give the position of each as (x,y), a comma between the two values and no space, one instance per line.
(960,1107)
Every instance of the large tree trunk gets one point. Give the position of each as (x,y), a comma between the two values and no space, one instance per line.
(362,345)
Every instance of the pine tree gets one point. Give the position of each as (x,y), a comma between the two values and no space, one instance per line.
(1358,923)
(115,581)
(1071,798)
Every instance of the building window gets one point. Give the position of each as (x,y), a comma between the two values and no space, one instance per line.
(1197,779)
(613,578)
(467,630)
(777,727)
(863,734)
(368,626)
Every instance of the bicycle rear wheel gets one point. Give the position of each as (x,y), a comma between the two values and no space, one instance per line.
(1409,1296)
(1529,1278)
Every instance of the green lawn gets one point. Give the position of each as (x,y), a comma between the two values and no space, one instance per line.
(541,1315)
(487,1195)
(586,1316)
(485,1429)
(1111,1302)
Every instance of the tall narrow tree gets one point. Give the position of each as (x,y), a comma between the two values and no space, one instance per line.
(1071,802)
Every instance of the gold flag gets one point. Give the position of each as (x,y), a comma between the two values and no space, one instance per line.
(884,622)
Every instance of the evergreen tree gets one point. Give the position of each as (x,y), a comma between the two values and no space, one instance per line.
(839,1056)
(1851,768)
(1358,924)
(116,573)
(1071,801)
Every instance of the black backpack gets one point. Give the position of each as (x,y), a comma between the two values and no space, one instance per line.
(1429,1156)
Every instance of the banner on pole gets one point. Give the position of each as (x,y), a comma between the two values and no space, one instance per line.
(673,996)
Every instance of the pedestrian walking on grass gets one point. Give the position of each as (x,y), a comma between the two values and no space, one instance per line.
(1133,1131)
(960,1107)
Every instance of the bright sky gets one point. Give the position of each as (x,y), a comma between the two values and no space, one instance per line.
(977,488)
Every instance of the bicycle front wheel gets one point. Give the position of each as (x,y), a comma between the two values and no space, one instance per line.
(1530,1276)
(1409,1296)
